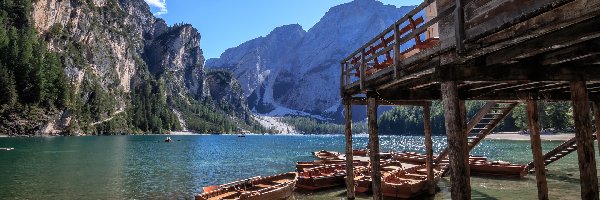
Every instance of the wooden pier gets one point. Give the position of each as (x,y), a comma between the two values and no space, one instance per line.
(496,50)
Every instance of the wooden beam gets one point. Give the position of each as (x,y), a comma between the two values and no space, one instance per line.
(349,154)
(482,23)
(363,101)
(551,85)
(596,105)
(536,149)
(374,147)
(533,29)
(428,148)
(585,143)
(521,71)
(584,34)
(459,27)
(457,142)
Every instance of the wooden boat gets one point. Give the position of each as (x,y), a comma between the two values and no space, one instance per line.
(418,158)
(278,186)
(407,183)
(363,179)
(326,154)
(321,177)
(302,166)
(360,152)
(409,157)
(498,169)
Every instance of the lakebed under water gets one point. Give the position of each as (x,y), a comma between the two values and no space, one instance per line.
(144,167)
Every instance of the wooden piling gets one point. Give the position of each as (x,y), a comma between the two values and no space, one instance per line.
(585,143)
(460,177)
(428,148)
(349,155)
(374,147)
(596,105)
(536,149)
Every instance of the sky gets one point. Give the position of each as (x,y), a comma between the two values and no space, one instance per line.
(225,24)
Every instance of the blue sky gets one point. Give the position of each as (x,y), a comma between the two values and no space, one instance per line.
(228,23)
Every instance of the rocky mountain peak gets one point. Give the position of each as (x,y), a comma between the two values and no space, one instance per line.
(291,29)
(295,72)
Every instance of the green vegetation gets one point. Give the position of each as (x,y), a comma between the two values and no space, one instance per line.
(312,126)
(150,110)
(556,117)
(31,77)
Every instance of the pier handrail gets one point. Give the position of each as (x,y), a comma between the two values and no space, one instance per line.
(389,40)
(388,43)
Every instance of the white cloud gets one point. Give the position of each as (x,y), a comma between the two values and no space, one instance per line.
(161,5)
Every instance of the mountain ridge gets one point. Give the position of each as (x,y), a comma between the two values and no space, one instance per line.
(302,76)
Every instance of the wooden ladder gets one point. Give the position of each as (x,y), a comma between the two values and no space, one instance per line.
(559,152)
(481,125)
(486,120)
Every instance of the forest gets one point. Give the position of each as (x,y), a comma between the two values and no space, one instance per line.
(555,117)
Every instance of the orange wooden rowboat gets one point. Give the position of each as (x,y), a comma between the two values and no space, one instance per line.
(407,183)
(278,186)
(302,166)
(360,152)
(363,180)
(326,154)
(497,168)
(321,177)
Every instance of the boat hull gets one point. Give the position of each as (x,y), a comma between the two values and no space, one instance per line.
(317,183)
(274,187)
(510,171)
(363,185)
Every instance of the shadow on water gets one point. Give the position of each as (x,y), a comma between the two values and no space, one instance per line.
(563,178)
(475,194)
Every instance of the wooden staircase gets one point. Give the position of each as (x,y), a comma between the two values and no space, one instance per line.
(481,125)
(559,152)
(488,118)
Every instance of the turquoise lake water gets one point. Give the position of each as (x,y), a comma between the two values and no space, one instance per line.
(144,167)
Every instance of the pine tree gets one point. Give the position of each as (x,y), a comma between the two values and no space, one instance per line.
(7,87)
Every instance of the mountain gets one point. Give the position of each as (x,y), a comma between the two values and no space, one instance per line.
(108,66)
(296,72)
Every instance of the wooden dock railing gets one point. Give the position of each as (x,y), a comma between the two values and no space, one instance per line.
(406,37)
(411,34)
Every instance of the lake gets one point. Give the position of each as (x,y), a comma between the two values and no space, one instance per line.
(144,167)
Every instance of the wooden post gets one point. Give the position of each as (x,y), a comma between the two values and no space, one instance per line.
(343,78)
(597,119)
(460,175)
(463,116)
(396,49)
(428,147)
(459,27)
(374,141)
(536,149)
(585,144)
(362,70)
(349,156)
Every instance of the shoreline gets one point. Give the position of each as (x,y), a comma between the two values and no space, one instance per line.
(511,136)
(525,137)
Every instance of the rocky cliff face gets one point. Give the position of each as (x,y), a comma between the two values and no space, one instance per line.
(300,74)
(175,53)
(110,47)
